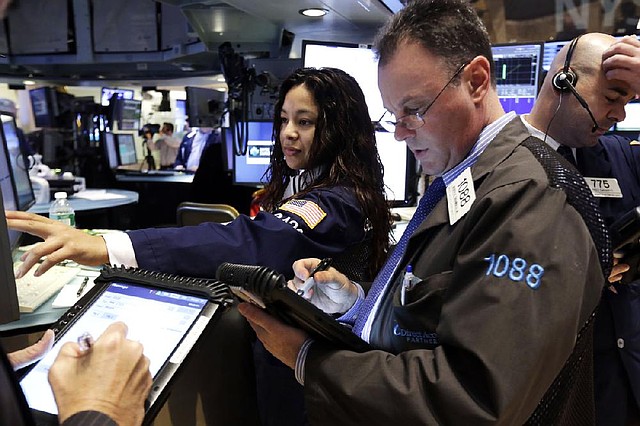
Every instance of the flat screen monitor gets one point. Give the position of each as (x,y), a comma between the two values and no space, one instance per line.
(110,150)
(127,149)
(551,49)
(108,92)
(517,68)
(9,310)
(249,169)
(357,60)
(399,169)
(128,112)
(21,179)
(9,198)
(204,107)
(43,105)
(631,123)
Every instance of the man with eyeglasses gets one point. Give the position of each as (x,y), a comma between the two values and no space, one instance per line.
(483,312)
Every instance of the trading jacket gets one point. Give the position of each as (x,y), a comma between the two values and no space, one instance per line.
(503,294)
(325,222)
(617,327)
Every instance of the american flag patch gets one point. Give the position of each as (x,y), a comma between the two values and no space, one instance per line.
(309,211)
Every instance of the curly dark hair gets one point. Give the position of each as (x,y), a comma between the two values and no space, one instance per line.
(344,150)
(450,29)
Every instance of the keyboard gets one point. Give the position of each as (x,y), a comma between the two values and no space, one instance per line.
(34,291)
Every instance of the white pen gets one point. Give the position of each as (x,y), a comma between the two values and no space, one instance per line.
(309,282)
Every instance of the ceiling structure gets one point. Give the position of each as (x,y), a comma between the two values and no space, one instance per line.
(167,42)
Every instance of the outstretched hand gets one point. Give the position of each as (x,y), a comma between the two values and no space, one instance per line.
(333,292)
(61,242)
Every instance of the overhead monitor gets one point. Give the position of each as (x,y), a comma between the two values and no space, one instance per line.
(517,68)
(110,150)
(399,169)
(631,123)
(551,49)
(357,60)
(20,171)
(126,149)
(43,105)
(204,106)
(108,92)
(250,168)
(128,112)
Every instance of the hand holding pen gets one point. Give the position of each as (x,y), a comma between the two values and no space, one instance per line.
(332,292)
(310,282)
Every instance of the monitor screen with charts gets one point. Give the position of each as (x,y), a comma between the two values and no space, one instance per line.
(126,149)
(108,92)
(517,69)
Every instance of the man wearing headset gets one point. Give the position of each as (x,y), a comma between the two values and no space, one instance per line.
(590,82)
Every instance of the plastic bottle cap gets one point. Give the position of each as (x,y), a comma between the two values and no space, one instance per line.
(59,195)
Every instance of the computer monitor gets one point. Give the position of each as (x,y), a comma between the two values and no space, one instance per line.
(631,123)
(9,310)
(550,50)
(43,105)
(399,169)
(110,150)
(249,169)
(126,149)
(21,179)
(108,92)
(7,187)
(204,107)
(357,60)
(517,68)
(127,113)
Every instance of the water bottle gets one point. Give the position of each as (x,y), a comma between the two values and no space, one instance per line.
(61,210)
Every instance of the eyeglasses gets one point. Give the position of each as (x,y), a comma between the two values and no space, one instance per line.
(416,120)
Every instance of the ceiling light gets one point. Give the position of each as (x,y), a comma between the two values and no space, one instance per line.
(28,82)
(313,12)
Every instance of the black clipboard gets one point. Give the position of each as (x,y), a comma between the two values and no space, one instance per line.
(169,311)
(268,289)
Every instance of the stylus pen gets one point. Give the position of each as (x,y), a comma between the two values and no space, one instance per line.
(82,286)
(309,282)
(85,341)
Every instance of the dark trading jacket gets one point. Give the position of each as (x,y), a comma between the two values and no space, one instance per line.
(274,240)
(503,328)
(617,369)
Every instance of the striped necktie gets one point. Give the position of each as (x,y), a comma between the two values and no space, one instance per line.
(434,193)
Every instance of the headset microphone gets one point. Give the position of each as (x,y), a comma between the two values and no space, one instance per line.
(565,80)
(582,102)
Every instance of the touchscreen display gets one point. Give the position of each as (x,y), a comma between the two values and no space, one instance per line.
(158,319)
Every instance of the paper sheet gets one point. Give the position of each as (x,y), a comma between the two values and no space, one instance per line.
(97,194)
(68,296)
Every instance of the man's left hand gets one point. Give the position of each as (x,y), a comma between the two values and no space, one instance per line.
(621,61)
(283,341)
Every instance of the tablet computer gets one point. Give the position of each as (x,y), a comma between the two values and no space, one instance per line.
(268,289)
(167,314)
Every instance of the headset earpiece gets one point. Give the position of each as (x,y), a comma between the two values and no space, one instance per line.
(562,79)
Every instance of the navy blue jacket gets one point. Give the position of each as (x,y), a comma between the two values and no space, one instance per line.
(617,328)
(187,142)
(274,240)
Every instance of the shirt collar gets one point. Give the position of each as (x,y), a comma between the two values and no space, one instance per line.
(484,139)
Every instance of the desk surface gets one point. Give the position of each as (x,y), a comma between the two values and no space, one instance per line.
(112,198)
(179,178)
(38,320)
